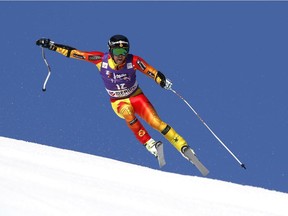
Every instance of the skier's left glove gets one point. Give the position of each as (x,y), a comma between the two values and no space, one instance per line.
(45,43)
(168,84)
(163,81)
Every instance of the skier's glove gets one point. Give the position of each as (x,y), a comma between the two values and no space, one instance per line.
(168,84)
(164,82)
(45,43)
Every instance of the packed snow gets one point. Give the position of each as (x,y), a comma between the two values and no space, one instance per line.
(38,180)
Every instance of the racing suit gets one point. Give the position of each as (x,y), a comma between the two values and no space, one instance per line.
(127,98)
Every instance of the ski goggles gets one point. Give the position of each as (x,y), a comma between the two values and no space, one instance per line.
(119,51)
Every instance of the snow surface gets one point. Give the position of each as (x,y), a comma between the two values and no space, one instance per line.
(38,180)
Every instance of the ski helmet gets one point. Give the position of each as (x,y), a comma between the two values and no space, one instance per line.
(118,41)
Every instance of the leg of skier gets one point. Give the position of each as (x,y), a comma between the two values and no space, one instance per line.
(145,110)
(124,109)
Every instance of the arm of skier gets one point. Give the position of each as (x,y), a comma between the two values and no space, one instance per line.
(71,52)
(141,65)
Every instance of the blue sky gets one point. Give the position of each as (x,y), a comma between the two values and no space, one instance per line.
(227,59)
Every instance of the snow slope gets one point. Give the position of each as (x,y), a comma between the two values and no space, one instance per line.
(37,180)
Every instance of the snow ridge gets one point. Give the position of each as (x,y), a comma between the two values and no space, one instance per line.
(40,180)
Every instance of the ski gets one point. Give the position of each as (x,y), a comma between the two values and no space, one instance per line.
(190,155)
(160,157)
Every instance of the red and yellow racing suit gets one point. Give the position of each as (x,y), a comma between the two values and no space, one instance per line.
(127,99)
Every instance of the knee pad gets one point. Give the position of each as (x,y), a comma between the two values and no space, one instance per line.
(125,109)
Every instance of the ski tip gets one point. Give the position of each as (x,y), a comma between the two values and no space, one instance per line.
(161,165)
(243,166)
(43,89)
(205,173)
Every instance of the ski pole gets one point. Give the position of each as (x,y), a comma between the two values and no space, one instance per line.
(242,165)
(49,70)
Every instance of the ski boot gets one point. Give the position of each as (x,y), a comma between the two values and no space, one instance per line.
(156,148)
(190,155)
(186,150)
(151,146)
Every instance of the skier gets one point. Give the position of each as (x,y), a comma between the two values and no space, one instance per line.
(118,71)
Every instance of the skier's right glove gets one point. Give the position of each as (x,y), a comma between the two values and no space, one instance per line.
(45,43)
